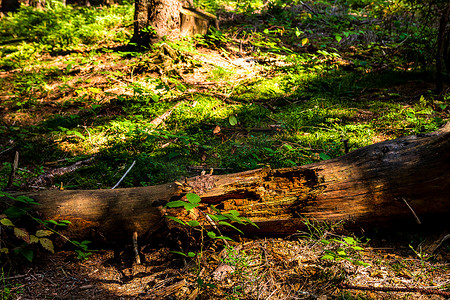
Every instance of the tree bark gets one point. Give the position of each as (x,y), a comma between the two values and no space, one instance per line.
(402,180)
(8,6)
(441,41)
(155,19)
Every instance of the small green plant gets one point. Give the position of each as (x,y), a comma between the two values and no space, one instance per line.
(215,219)
(21,239)
(337,249)
(83,252)
(220,218)
(346,248)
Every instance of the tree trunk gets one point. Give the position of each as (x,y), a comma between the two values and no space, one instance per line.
(442,37)
(404,180)
(9,6)
(155,19)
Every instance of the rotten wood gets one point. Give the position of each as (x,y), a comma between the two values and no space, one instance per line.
(196,21)
(368,186)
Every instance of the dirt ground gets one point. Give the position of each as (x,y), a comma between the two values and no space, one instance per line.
(258,268)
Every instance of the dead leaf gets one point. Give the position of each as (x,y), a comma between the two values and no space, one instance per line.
(47,244)
(43,233)
(33,239)
(22,234)
(216,130)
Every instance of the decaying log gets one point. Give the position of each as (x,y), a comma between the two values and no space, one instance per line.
(196,21)
(367,186)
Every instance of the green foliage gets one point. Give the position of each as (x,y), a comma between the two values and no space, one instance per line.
(346,248)
(20,240)
(60,27)
(337,248)
(216,219)
(83,251)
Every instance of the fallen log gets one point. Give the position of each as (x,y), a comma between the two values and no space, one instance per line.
(402,180)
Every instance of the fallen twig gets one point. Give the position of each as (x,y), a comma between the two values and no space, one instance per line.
(7,149)
(414,214)
(118,182)
(158,120)
(47,178)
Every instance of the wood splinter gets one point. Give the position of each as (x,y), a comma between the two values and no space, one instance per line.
(413,212)
(137,259)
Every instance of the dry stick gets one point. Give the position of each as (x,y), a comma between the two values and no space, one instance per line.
(158,120)
(415,216)
(13,171)
(48,177)
(6,150)
(124,175)
(135,248)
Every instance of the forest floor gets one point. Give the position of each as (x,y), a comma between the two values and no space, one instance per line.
(259,268)
(262,93)
(256,268)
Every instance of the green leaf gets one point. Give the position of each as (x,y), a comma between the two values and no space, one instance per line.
(234,213)
(357,248)
(234,218)
(178,252)
(191,254)
(305,41)
(341,252)
(215,209)
(26,200)
(229,225)
(212,234)
(193,223)
(189,206)
(266,31)
(328,256)
(53,222)
(76,133)
(338,38)
(27,253)
(64,223)
(324,156)
(360,263)
(193,198)
(213,217)
(233,121)
(177,203)
(250,222)
(14,212)
(6,222)
(176,220)
(349,240)
(221,217)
